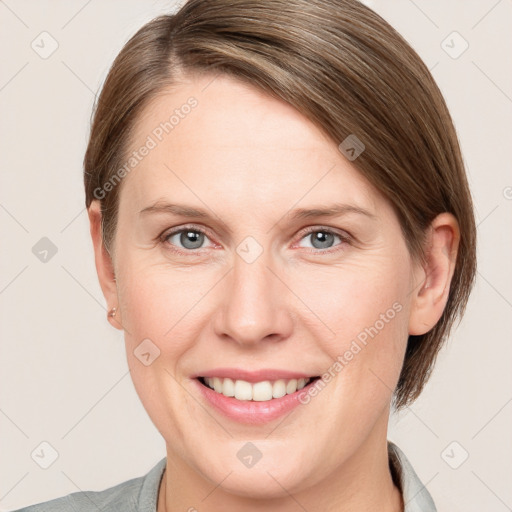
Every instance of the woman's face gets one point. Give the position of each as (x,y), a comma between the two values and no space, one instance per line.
(264,288)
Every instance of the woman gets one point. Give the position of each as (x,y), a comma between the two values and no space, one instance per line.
(283,230)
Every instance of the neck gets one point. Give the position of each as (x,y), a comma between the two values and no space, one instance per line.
(363,482)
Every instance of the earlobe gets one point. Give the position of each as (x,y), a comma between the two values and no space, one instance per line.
(433,278)
(104,264)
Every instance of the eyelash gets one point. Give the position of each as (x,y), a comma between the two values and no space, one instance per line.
(345,238)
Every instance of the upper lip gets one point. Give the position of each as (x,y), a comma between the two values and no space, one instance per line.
(270,374)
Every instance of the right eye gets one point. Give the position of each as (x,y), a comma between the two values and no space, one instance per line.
(185,239)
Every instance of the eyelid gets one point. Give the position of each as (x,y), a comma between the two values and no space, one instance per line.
(318,227)
(184,227)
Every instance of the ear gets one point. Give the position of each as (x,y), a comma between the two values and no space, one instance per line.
(104,264)
(435,275)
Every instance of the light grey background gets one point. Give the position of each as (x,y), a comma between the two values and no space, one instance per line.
(64,377)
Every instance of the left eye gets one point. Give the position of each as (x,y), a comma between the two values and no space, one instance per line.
(322,238)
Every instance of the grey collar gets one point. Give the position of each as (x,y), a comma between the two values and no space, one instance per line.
(415,495)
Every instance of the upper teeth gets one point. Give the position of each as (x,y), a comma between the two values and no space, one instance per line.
(259,391)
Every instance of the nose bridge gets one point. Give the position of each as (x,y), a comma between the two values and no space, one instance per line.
(254,305)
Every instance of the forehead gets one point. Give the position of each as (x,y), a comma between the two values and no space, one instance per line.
(243,115)
(219,138)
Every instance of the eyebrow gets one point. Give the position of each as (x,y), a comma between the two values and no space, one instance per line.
(176,209)
(337,209)
(334,210)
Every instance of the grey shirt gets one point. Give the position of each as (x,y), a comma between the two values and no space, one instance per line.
(141,494)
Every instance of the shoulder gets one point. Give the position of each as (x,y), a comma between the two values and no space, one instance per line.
(123,495)
(135,495)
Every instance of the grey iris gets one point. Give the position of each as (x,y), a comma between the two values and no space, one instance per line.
(323,239)
(191,239)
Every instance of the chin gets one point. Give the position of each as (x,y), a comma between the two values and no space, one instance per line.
(260,485)
(279,470)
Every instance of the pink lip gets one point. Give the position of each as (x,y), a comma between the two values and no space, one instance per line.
(252,376)
(249,411)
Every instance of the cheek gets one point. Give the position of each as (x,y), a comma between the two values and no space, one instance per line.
(156,301)
(160,327)
(350,300)
(163,313)
(363,326)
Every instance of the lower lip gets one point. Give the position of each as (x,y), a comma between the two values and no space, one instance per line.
(250,411)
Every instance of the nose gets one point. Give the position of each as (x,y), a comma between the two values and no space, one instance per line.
(255,304)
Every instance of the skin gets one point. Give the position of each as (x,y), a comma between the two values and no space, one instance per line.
(249,160)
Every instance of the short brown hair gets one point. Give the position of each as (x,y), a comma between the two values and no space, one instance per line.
(344,68)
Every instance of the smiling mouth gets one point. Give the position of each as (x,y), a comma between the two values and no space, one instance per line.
(262,391)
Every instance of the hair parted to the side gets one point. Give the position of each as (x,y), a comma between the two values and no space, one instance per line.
(344,68)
